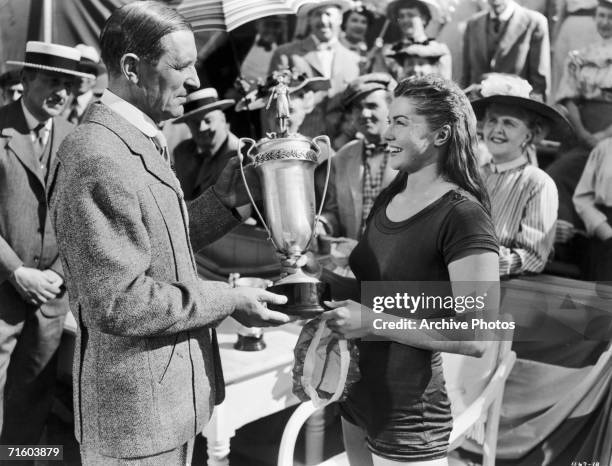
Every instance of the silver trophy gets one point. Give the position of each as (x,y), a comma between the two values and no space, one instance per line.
(285,164)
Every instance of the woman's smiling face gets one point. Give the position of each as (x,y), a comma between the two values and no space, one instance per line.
(506,132)
(409,137)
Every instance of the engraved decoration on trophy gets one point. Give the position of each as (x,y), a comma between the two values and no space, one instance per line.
(285,163)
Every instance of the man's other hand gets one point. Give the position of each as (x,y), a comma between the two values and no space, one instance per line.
(230,188)
(35,286)
(251,310)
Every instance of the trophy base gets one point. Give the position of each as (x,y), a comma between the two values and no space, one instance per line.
(250,343)
(303,299)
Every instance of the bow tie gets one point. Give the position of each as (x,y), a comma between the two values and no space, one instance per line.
(369,148)
(324,46)
(263,44)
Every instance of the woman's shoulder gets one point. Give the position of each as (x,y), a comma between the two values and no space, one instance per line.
(465,210)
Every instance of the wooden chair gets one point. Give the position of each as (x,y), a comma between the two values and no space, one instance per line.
(475,387)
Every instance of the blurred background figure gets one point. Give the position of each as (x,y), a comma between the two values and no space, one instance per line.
(585,91)
(419,59)
(356,24)
(321,54)
(269,35)
(83,91)
(412,17)
(199,161)
(11,86)
(507,38)
(573,30)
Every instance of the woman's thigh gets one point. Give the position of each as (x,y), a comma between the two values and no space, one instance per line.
(355,444)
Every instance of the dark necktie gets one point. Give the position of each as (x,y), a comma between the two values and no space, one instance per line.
(496,24)
(73,116)
(39,140)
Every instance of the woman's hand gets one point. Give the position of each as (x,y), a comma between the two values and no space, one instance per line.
(348,319)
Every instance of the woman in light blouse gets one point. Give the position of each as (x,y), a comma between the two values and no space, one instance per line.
(586,91)
(593,202)
(524,198)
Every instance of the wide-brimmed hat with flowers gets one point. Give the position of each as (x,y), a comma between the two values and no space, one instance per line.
(51,57)
(511,90)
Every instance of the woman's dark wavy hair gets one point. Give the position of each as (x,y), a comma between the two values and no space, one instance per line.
(442,102)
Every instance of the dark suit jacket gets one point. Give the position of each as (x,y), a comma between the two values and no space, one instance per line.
(524,50)
(26,234)
(144,369)
(301,55)
(196,171)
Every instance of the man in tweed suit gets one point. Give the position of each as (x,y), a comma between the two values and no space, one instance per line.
(147,370)
(32,299)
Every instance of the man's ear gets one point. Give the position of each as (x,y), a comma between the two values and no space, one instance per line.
(129,67)
(442,136)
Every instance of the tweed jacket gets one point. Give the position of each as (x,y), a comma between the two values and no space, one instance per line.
(344,206)
(26,234)
(301,55)
(144,369)
(524,49)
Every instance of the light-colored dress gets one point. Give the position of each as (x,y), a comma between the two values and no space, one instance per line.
(576,32)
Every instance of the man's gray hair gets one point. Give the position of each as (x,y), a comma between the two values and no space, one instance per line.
(138,28)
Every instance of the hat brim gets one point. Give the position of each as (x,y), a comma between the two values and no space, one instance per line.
(51,68)
(252,102)
(344,6)
(559,124)
(434,9)
(219,105)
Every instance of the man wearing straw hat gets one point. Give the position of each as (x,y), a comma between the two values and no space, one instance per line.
(321,55)
(200,160)
(147,370)
(32,299)
(83,87)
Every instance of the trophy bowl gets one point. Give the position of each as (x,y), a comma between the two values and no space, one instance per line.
(285,166)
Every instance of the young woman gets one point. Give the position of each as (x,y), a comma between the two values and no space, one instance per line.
(524,198)
(355,25)
(412,17)
(431,224)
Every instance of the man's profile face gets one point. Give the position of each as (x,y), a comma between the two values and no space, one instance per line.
(371,113)
(45,93)
(208,131)
(166,84)
(325,22)
(498,6)
(12,93)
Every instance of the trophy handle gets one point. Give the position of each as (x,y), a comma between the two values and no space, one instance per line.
(330,154)
(248,190)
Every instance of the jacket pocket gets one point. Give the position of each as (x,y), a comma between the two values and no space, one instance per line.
(160,353)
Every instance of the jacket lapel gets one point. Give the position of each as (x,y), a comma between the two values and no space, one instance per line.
(137,142)
(20,142)
(310,55)
(514,28)
(355,175)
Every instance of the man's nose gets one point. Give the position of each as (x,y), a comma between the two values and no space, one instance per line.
(192,82)
(204,126)
(366,113)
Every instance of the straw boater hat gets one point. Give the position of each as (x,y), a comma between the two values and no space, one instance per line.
(343,5)
(51,57)
(202,102)
(431,5)
(90,60)
(510,90)
(258,98)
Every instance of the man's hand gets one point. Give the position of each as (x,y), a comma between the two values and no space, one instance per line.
(35,286)
(230,188)
(564,231)
(251,310)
